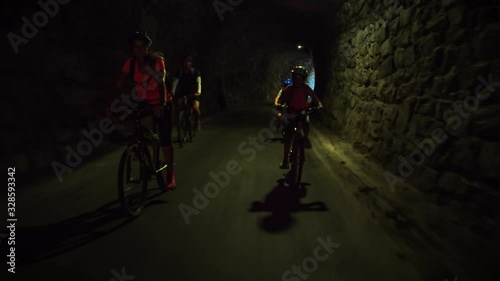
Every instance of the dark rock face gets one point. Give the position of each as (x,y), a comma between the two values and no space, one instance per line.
(405,70)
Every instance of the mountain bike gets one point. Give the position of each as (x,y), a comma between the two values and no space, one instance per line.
(142,159)
(296,154)
(185,125)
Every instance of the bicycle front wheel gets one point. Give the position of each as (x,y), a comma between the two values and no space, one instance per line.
(160,165)
(132,183)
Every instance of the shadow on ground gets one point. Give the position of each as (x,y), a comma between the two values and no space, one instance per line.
(43,242)
(281,202)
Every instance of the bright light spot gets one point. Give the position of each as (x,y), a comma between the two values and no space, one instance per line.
(311,79)
(300,47)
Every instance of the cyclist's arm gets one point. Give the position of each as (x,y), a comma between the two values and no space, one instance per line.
(316,100)
(160,79)
(161,86)
(198,82)
(276,100)
(175,82)
(283,97)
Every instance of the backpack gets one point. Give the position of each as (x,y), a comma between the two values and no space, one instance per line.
(305,91)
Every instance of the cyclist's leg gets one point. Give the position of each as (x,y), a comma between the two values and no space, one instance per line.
(178,107)
(165,133)
(197,112)
(177,118)
(129,134)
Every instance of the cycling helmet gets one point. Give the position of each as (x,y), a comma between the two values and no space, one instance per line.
(143,37)
(300,70)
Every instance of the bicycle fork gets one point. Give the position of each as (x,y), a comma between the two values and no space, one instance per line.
(297,144)
(159,166)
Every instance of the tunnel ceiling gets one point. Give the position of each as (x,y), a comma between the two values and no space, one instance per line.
(259,39)
(292,21)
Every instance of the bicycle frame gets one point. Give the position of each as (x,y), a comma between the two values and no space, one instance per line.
(184,122)
(296,152)
(186,109)
(145,149)
(297,137)
(145,135)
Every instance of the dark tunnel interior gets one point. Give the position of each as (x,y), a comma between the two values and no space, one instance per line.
(404,168)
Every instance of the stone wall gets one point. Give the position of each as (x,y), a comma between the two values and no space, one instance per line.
(404,71)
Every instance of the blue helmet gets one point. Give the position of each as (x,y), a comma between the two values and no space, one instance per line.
(287,82)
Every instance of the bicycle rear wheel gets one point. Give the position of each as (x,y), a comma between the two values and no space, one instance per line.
(182,129)
(190,126)
(296,160)
(132,183)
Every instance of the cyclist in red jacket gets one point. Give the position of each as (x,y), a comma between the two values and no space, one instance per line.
(277,123)
(295,97)
(147,72)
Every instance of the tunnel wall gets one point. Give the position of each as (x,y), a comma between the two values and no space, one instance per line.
(248,57)
(73,61)
(57,84)
(395,69)
(72,64)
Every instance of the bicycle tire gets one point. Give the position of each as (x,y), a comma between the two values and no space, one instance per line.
(301,158)
(181,129)
(296,163)
(127,181)
(187,128)
(191,132)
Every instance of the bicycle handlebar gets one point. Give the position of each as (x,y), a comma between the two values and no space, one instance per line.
(140,112)
(302,112)
(187,96)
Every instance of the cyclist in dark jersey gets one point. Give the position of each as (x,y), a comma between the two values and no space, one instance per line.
(187,82)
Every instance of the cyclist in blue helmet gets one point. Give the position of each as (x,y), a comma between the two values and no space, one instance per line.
(286,83)
(277,123)
(296,97)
